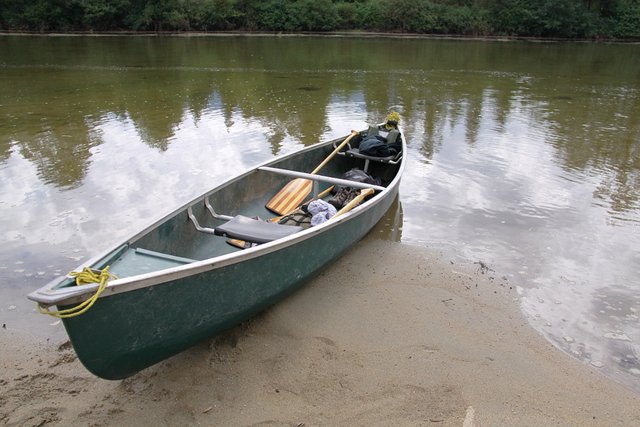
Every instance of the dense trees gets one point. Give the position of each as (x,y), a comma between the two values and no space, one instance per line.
(525,18)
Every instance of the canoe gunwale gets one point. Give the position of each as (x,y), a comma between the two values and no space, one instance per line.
(53,294)
(49,295)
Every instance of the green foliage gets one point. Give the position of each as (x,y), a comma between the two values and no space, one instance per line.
(529,18)
(276,15)
(561,18)
(346,15)
(626,19)
(316,15)
(512,17)
(543,18)
(370,15)
(412,16)
(100,15)
(465,20)
(212,15)
(42,15)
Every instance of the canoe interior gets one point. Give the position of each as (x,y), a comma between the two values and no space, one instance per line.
(175,241)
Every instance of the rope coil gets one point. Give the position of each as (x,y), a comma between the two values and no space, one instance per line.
(84,277)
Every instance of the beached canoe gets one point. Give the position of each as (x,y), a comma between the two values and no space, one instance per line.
(179,281)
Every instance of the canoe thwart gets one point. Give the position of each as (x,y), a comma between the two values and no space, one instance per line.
(295,192)
(255,230)
(323,178)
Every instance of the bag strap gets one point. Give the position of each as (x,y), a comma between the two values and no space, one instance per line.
(392,136)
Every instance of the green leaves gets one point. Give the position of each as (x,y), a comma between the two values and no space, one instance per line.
(526,18)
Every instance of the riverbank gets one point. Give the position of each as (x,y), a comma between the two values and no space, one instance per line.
(333,34)
(390,334)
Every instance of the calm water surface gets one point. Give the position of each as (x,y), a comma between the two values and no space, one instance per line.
(524,156)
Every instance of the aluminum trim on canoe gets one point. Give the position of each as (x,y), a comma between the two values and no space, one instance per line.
(51,295)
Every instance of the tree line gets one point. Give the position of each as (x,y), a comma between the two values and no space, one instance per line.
(573,19)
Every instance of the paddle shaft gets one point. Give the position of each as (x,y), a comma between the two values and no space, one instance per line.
(334,152)
(355,202)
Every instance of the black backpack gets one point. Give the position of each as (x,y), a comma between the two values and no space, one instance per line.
(377,146)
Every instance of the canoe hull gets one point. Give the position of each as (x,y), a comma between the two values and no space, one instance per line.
(178,285)
(127,332)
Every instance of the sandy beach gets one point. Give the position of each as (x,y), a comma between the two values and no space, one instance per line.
(389,335)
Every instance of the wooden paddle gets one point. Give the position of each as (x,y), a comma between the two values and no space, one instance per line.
(294,193)
(355,202)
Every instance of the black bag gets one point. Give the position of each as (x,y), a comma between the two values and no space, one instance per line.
(357,175)
(377,146)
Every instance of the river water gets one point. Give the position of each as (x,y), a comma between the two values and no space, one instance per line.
(523,157)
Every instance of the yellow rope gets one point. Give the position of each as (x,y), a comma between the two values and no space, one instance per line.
(86,276)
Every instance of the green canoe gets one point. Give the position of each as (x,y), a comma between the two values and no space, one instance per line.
(179,281)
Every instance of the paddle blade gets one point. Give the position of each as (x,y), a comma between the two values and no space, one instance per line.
(290,197)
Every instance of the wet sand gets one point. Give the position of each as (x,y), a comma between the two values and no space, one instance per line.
(389,335)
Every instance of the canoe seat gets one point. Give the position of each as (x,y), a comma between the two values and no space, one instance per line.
(354,152)
(254,230)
